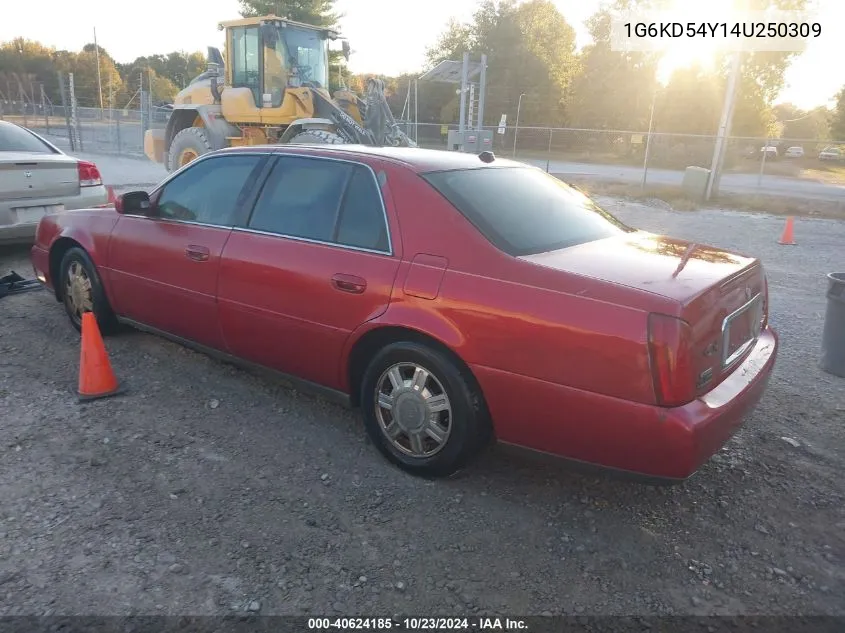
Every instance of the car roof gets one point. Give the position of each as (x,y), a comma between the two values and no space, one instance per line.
(417,159)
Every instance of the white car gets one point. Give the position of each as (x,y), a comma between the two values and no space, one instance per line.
(830,153)
(794,152)
(37,178)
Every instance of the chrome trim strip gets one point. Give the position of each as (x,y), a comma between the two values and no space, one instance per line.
(296,238)
(729,360)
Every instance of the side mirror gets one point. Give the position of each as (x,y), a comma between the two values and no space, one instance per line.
(347,50)
(133,203)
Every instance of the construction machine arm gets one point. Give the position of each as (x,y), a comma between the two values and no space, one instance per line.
(379,120)
(379,126)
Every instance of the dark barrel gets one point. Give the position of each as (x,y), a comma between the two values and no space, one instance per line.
(833,338)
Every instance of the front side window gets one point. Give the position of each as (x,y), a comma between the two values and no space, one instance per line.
(308,55)
(209,191)
(323,200)
(524,211)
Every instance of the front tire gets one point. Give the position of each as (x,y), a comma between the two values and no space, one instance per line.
(82,291)
(188,145)
(421,411)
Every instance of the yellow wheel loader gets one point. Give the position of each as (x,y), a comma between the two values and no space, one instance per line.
(272,89)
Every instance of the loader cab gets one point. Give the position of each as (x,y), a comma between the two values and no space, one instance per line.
(269,55)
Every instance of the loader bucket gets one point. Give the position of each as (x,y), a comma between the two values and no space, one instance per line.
(154,145)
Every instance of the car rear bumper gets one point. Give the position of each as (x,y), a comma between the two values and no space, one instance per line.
(646,440)
(12,231)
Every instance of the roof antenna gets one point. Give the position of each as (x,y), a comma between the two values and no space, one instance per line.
(487,156)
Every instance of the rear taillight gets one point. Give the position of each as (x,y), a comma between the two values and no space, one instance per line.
(670,349)
(89,175)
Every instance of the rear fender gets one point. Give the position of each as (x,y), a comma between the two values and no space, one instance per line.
(428,323)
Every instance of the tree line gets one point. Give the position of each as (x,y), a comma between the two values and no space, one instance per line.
(530,47)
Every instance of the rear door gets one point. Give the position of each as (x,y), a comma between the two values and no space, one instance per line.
(163,268)
(314,261)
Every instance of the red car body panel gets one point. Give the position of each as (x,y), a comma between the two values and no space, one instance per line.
(152,278)
(558,342)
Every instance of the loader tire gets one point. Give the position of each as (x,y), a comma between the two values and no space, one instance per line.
(317,137)
(187,145)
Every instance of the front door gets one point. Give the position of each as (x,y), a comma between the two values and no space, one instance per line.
(163,267)
(313,262)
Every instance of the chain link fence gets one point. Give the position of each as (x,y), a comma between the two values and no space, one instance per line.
(106,131)
(602,154)
(564,149)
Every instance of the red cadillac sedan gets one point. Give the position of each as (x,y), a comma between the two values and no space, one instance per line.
(456,299)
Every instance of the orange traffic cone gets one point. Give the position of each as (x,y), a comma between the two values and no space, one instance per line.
(96,377)
(788,236)
(111,200)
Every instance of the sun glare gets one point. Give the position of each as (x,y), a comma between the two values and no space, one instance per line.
(684,52)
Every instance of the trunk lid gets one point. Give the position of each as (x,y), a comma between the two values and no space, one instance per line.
(31,175)
(722,295)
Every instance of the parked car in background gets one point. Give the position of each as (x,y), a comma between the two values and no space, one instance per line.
(831,153)
(37,178)
(794,152)
(770,152)
(454,298)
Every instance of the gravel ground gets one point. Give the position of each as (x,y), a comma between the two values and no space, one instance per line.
(207,490)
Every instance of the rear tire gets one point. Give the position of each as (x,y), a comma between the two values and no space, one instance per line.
(317,137)
(188,145)
(82,291)
(395,409)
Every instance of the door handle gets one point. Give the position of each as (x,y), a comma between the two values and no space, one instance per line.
(349,283)
(197,253)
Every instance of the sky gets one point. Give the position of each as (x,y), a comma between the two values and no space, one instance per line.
(382,41)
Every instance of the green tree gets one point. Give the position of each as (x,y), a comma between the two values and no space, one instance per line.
(837,121)
(614,89)
(691,102)
(796,124)
(316,12)
(530,49)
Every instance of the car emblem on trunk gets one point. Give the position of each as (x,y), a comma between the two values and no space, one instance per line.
(28,174)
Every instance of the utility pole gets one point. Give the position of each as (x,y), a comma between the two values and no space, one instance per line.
(44,109)
(65,109)
(74,112)
(99,82)
(724,127)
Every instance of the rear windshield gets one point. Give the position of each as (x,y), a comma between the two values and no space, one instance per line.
(524,211)
(16,139)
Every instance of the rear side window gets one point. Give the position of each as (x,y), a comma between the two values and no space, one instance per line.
(524,211)
(16,139)
(323,200)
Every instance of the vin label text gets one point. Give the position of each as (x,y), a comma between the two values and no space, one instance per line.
(756,31)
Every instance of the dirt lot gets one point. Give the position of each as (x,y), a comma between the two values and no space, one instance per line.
(206,490)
